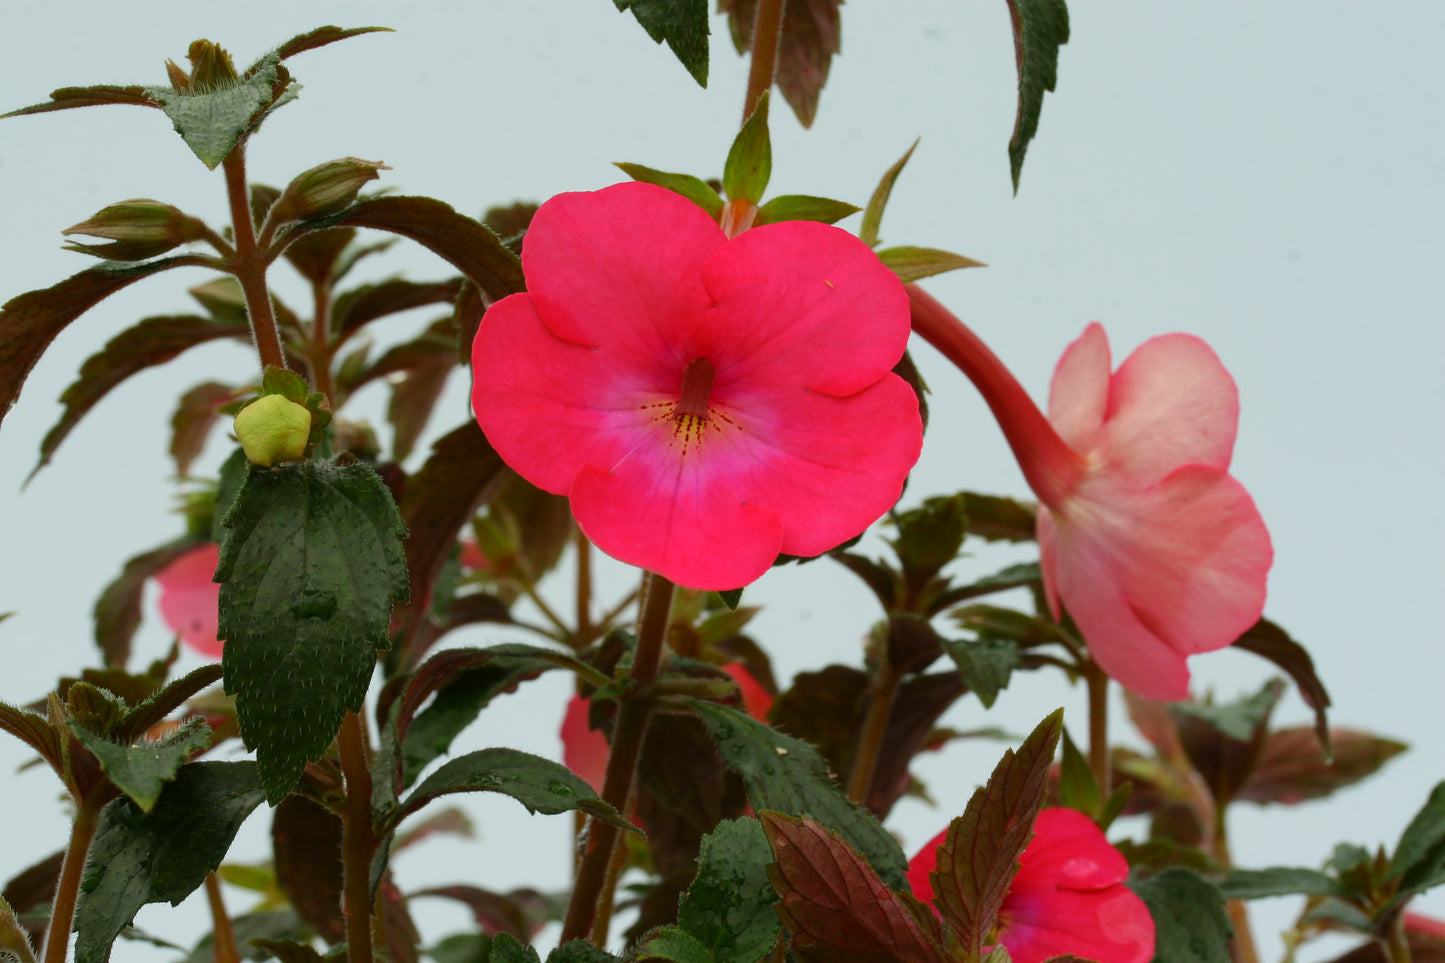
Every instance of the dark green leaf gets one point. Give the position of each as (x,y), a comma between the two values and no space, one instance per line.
(997,622)
(787,775)
(1269,641)
(311,563)
(1277,881)
(580,951)
(232,477)
(1040,28)
(288,951)
(1021,575)
(262,925)
(929,537)
(750,160)
(140,771)
(543,786)
(30,321)
(151,342)
(117,611)
(873,213)
(1419,858)
(138,858)
(155,707)
(980,854)
(802,207)
(985,665)
(693,188)
(212,121)
(886,582)
(319,37)
(1223,742)
(913,263)
(461,948)
(1190,925)
(995,518)
(507,949)
(682,23)
(731,598)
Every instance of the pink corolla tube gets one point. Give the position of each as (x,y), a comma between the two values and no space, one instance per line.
(1068,897)
(1155,550)
(190,601)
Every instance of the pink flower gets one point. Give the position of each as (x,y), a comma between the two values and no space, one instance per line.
(1068,896)
(190,601)
(757,701)
(705,402)
(1157,552)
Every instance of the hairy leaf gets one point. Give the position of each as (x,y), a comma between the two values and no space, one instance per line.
(693,188)
(729,906)
(320,37)
(811,37)
(212,121)
(35,731)
(364,304)
(1040,28)
(311,563)
(1190,925)
(141,771)
(682,23)
(96,96)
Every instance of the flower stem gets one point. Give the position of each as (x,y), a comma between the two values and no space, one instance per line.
(1241,947)
(583,917)
(1397,945)
(1098,684)
(358,843)
(586,631)
(875,727)
(223,936)
(249,265)
(318,359)
(767,28)
(62,907)
(1050,466)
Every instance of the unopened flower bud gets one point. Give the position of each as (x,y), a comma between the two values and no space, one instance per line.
(273,429)
(140,228)
(325,189)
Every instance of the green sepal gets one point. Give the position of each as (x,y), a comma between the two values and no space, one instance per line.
(804,207)
(873,213)
(913,263)
(750,160)
(694,189)
(1078,789)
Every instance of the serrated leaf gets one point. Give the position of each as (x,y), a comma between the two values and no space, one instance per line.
(1269,641)
(151,342)
(831,898)
(117,611)
(30,321)
(873,213)
(912,263)
(508,949)
(885,582)
(929,537)
(803,207)
(35,731)
(750,159)
(138,858)
(311,563)
(980,855)
(1190,925)
(682,23)
(140,771)
(1223,742)
(694,189)
(787,775)
(1292,766)
(1040,28)
(212,122)
(811,36)
(984,665)
(1277,881)
(580,951)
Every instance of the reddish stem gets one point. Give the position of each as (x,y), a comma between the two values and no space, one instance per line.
(62,908)
(767,28)
(1050,466)
(358,841)
(875,728)
(223,937)
(249,265)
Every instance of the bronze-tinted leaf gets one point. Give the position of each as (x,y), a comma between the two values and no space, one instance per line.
(196,413)
(316,254)
(364,304)
(811,36)
(117,611)
(1269,641)
(320,37)
(306,847)
(1293,767)
(825,708)
(1223,742)
(413,397)
(95,96)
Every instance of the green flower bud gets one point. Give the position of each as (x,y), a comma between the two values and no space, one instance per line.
(140,228)
(325,189)
(273,429)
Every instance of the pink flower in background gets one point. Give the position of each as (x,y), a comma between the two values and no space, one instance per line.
(1157,552)
(190,601)
(1068,896)
(757,701)
(705,402)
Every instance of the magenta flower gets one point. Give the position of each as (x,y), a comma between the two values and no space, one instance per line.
(1068,896)
(705,402)
(190,601)
(1157,552)
(584,749)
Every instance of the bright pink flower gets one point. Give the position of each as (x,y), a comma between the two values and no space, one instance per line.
(190,601)
(757,701)
(706,403)
(1068,896)
(584,749)
(1157,552)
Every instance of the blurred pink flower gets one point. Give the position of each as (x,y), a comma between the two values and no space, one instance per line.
(1068,896)
(757,701)
(705,402)
(190,601)
(1157,552)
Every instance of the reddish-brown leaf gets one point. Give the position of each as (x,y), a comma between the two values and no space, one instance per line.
(117,611)
(306,842)
(836,907)
(521,913)
(1293,768)
(96,96)
(812,34)
(412,399)
(196,414)
(368,302)
(35,731)
(320,37)
(1269,641)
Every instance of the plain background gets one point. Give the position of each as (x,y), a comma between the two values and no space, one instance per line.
(1267,176)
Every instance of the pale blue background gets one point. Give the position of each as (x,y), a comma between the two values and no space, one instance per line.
(1265,175)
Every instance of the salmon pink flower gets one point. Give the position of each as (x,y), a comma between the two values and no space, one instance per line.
(1157,552)
(190,601)
(705,402)
(1068,896)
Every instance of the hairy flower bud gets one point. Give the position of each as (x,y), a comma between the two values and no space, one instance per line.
(140,229)
(273,429)
(325,189)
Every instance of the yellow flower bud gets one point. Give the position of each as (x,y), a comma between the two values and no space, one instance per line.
(273,429)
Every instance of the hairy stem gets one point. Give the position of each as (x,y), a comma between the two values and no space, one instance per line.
(634,713)
(586,631)
(249,265)
(62,907)
(223,936)
(767,28)
(875,727)
(318,359)
(358,842)
(1098,684)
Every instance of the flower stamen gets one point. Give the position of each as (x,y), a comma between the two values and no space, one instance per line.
(696,389)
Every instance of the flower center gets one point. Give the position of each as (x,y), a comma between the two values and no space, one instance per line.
(696,387)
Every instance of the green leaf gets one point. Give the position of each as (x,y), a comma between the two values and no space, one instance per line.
(138,858)
(1022,575)
(368,302)
(580,951)
(141,771)
(803,207)
(288,951)
(506,948)
(726,915)
(311,562)
(787,775)
(980,854)
(929,537)
(682,23)
(1040,28)
(1269,641)
(30,321)
(1277,881)
(117,611)
(694,189)
(750,160)
(1419,858)
(1078,788)
(1223,742)
(731,598)
(1190,925)
(543,786)
(912,263)
(984,665)
(213,121)
(151,342)
(873,213)
(994,518)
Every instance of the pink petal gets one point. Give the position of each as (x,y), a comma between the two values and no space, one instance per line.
(584,749)
(1079,392)
(757,701)
(921,866)
(190,601)
(1070,850)
(1171,403)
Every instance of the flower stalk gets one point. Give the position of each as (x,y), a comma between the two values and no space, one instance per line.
(358,841)
(223,935)
(767,29)
(1098,685)
(249,265)
(67,890)
(875,728)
